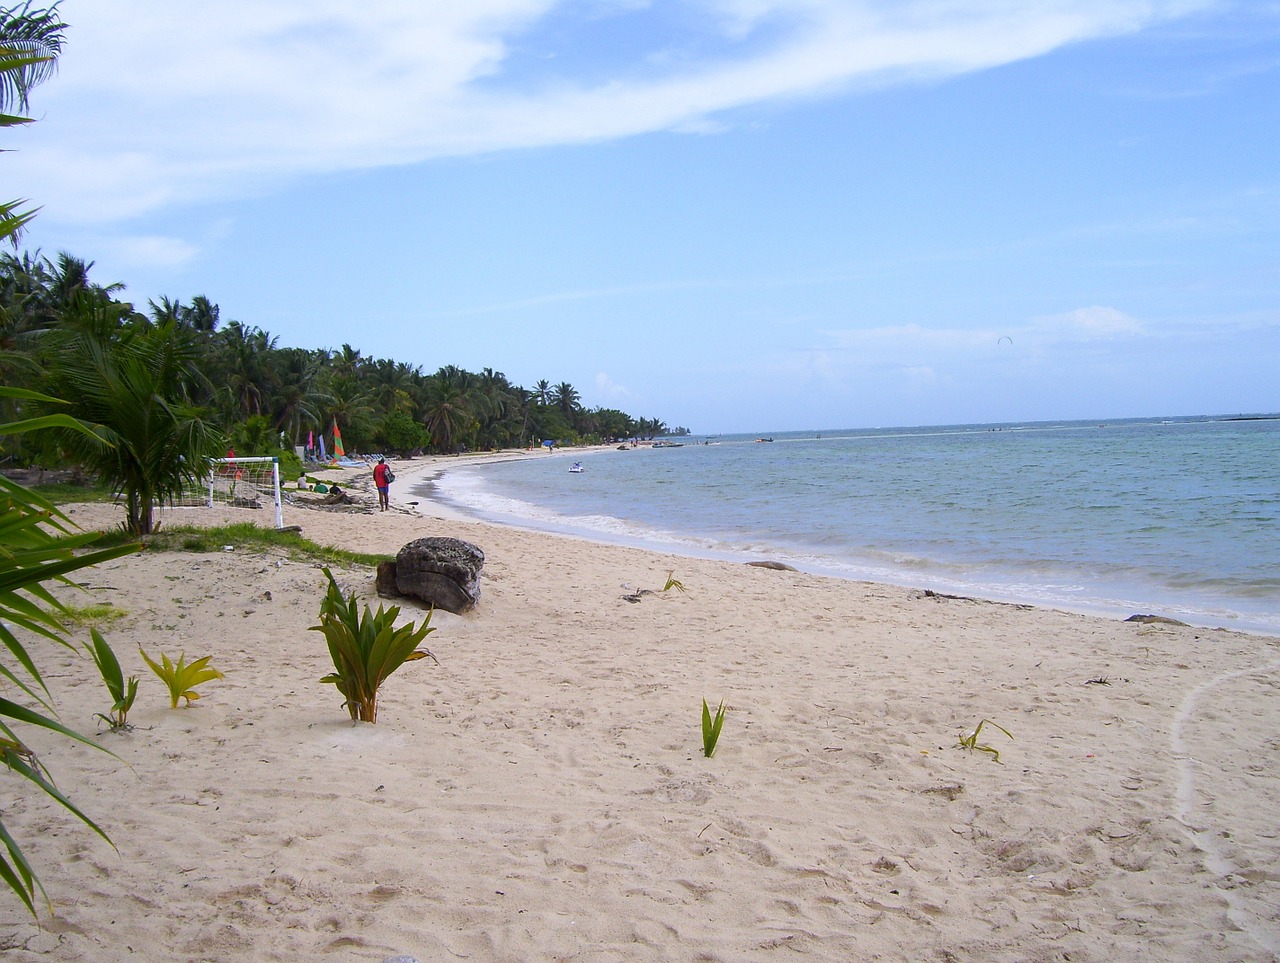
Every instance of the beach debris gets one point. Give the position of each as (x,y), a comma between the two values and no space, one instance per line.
(1162,620)
(636,594)
(950,791)
(443,572)
(971,743)
(774,566)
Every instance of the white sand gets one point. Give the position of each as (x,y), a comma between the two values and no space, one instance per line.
(542,793)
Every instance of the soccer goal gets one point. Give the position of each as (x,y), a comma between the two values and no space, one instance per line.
(251,482)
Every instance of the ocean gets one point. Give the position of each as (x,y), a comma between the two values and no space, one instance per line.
(1177,517)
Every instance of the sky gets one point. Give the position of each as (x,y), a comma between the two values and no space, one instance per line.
(732,215)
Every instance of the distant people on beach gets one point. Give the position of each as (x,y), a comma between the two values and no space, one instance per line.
(382,479)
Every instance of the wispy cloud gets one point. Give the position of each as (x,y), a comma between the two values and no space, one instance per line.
(160,103)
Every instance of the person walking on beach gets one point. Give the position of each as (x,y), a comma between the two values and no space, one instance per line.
(382,479)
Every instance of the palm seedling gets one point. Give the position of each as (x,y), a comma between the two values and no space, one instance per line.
(122,691)
(182,677)
(366,648)
(711,728)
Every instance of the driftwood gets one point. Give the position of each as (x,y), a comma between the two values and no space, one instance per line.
(335,497)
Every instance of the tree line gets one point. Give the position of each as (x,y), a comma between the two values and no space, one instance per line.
(254,390)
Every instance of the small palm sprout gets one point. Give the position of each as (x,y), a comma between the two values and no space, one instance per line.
(711,728)
(182,677)
(122,691)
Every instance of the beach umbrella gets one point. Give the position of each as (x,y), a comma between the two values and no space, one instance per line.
(338,450)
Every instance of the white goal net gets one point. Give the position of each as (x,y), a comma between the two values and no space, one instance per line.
(252,483)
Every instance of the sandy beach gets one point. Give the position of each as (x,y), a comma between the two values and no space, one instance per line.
(541,793)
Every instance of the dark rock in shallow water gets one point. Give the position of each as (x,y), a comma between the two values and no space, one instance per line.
(444,572)
(776,566)
(1162,620)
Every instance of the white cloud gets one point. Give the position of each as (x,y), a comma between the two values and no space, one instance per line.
(149,250)
(1089,324)
(160,103)
(607,387)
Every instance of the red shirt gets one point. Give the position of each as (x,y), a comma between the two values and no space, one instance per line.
(380,475)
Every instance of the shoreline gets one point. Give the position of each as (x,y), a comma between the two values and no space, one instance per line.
(436,506)
(541,792)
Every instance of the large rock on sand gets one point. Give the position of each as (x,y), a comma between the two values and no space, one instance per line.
(444,572)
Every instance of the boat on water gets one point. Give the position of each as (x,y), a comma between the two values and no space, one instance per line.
(759,440)
(577,468)
(668,444)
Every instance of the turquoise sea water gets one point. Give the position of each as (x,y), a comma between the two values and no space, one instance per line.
(1177,517)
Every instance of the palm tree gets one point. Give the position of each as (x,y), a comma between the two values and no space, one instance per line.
(247,378)
(349,406)
(348,361)
(565,397)
(202,315)
(391,384)
(447,416)
(298,401)
(134,390)
(30,42)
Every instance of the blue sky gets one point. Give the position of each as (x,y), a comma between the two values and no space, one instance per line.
(734,215)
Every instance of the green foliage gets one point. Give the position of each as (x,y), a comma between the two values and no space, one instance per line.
(398,432)
(245,535)
(181,677)
(290,464)
(673,583)
(69,493)
(970,741)
(257,437)
(122,691)
(36,546)
(366,648)
(96,614)
(133,383)
(711,728)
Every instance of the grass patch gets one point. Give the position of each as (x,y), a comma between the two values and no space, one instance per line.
(66,493)
(100,613)
(185,538)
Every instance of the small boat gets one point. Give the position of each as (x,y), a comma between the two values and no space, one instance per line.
(760,440)
(577,468)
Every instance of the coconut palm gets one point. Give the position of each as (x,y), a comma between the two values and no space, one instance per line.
(135,390)
(202,315)
(243,352)
(565,397)
(298,400)
(447,415)
(30,42)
